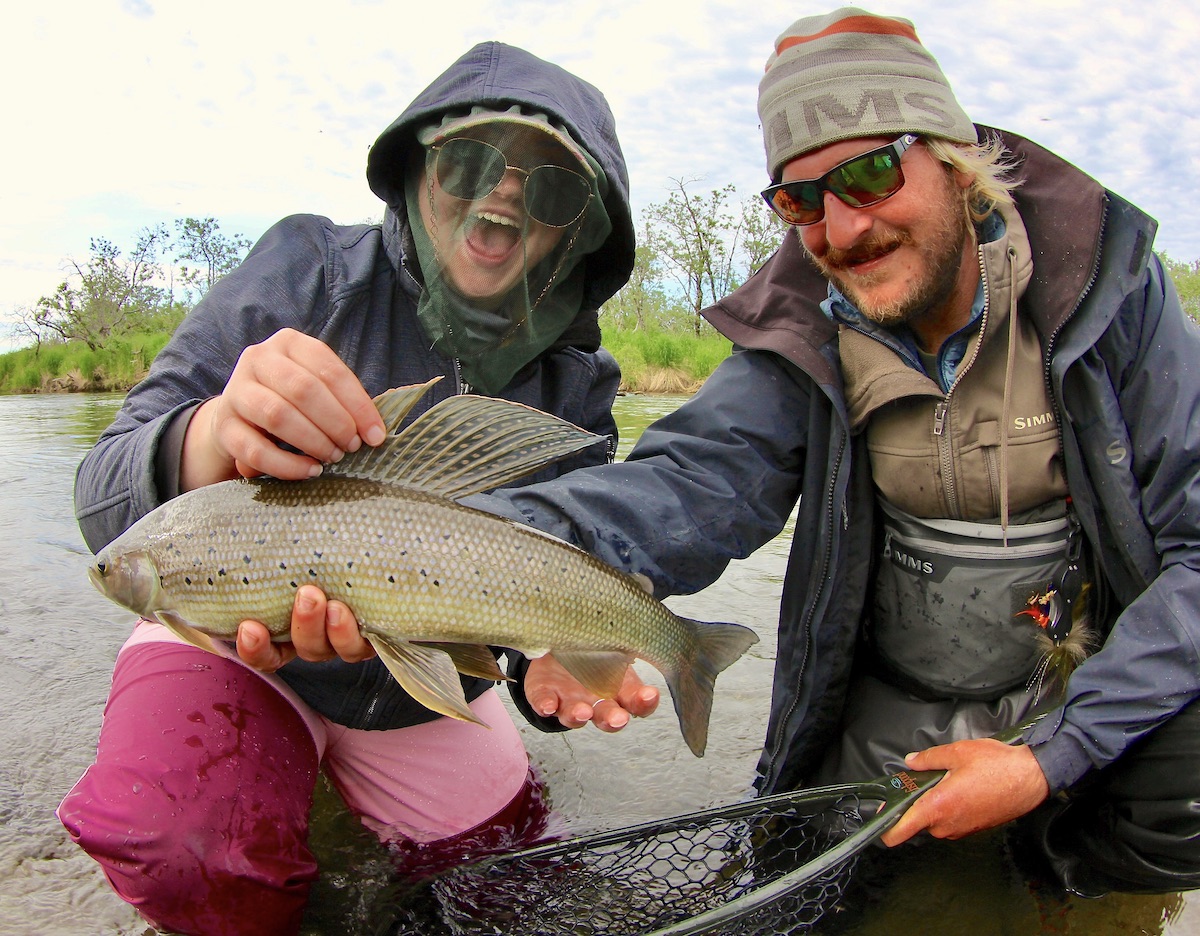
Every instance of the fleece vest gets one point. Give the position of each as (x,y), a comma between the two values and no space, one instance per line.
(956,591)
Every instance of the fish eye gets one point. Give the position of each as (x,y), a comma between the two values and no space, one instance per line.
(101,566)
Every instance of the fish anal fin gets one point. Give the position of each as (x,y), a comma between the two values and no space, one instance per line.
(600,671)
(427,674)
(173,622)
(470,659)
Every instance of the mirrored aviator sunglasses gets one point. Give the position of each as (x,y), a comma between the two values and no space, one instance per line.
(861,181)
(471,169)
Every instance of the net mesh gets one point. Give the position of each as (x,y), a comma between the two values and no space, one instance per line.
(739,867)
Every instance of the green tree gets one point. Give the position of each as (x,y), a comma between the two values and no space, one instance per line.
(690,236)
(106,295)
(641,302)
(762,234)
(1186,277)
(205,253)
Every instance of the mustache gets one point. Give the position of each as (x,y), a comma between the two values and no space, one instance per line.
(836,259)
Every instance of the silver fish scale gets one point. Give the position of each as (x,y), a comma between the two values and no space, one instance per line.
(411,566)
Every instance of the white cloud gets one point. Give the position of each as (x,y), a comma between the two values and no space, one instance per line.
(123,114)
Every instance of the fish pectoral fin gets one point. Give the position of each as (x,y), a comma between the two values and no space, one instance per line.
(601,671)
(470,659)
(427,674)
(173,622)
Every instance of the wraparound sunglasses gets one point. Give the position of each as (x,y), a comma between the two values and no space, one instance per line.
(471,169)
(859,182)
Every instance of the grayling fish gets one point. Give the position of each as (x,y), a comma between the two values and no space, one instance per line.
(432,583)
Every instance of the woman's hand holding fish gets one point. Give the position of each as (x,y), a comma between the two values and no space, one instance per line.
(321,630)
(291,388)
(988,783)
(551,690)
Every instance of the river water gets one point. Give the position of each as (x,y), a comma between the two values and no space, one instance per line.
(61,637)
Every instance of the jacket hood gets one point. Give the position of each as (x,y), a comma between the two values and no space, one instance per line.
(496,75)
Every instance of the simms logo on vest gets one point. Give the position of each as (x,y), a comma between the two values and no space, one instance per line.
(903,559)
(1033,422)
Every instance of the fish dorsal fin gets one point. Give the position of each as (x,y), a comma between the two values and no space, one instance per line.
(463,445)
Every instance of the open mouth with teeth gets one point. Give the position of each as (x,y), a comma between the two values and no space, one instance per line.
(492,237)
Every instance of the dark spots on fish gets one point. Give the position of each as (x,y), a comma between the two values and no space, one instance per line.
(247,560)
(317,553)
(283,566)
(294,585)
(295,541)
(245,580)
(349,563)
(210,580)
(446,536)
(233,533)
(312,572)
(424,574)
(187,580)
(437,584)
(212,550)
(391,580)
(348,585)
(261,541)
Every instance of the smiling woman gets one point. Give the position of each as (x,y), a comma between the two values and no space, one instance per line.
(503,206)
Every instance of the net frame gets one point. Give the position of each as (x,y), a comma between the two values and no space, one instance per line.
(772,865)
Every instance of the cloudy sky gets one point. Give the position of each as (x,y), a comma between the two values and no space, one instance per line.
(124,113)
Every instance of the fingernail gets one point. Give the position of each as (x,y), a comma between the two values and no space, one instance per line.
(333,615)
(315,470)
(355,444)
(375,435)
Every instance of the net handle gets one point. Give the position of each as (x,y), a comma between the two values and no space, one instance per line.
(897,793)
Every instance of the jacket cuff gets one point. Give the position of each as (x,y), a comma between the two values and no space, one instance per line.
(168,455)
(518,666)
(1063,760)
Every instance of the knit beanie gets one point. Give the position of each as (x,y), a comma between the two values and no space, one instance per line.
(851,74)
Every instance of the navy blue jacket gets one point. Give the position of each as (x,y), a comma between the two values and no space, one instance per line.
(352,287)
(719,478)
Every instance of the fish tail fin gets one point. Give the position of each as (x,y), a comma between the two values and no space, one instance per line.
(715,647)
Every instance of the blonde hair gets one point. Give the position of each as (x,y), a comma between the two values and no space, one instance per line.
(987,164)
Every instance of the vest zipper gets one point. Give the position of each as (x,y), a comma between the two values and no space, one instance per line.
(941,412)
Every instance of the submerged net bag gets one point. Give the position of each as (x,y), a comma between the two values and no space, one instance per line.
(774,865)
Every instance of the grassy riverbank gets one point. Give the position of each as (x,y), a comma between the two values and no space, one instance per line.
(651,362)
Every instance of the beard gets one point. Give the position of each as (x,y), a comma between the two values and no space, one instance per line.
(940,251)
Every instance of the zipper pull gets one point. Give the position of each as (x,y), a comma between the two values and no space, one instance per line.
(939,417)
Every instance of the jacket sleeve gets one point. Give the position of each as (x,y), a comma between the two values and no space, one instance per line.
(1144,458)
(711,482)
(281,283)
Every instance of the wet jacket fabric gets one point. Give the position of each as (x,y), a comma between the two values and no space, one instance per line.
(719,477)
(355,288)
